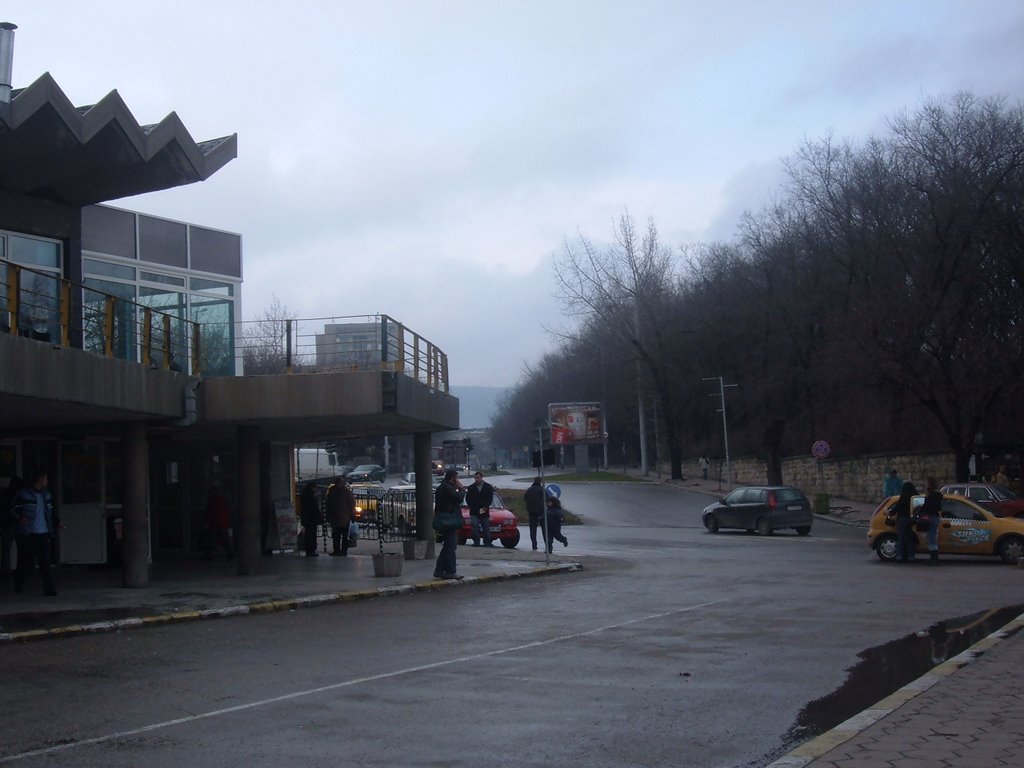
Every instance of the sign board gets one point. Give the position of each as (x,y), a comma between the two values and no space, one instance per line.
(576,423)
(820,450)
(286,526)
(453,452)
(553,490)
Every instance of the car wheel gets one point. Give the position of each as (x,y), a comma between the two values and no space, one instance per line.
(885,547)
(803,530)
(764,528)
(711,523)
(1011,549)
(511,542)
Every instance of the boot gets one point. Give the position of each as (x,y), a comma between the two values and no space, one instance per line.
(933,558)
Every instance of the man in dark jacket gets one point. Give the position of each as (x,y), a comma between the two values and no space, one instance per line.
(35,524)
(534,498)
(341,510)
(479,498)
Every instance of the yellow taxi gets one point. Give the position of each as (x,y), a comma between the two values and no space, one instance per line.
(966,529)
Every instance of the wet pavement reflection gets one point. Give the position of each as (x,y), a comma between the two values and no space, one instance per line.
(886,668)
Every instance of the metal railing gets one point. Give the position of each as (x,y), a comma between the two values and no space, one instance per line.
(350,343)
(45,307)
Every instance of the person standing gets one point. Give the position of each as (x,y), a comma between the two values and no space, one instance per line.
(906,541)
(448,499)
(341,511)
(8,521)
(311,517)
(534,498)
(891,485)
(703,463)
(218,523)
(36,522)
(479,497)
(555,520)
(931,511)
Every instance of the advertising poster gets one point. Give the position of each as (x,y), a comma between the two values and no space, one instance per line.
(576,423)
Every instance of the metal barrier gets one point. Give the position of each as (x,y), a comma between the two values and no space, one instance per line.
(45,307)
(349,343)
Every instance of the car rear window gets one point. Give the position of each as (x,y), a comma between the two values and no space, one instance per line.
(788,494)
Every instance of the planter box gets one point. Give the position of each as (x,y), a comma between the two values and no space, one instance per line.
(387,564)
(415,550)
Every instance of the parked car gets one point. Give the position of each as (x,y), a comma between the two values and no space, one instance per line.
(367,472)
(368,496)
(966,529)
(761,508)
(997,498)
(437,467)
(504,527)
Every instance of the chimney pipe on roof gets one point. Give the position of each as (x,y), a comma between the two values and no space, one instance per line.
(6,59)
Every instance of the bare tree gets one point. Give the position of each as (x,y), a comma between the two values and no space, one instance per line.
(264,341)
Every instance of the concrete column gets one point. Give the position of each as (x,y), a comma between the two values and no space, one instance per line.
(247,518)
(424,490)
(135,510)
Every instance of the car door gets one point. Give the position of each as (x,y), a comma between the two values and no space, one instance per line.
(753,505)
(964,530)
(729,512)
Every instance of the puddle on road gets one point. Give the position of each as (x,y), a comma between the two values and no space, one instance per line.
(887,668)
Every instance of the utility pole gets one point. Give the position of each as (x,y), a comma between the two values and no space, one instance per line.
(725,424)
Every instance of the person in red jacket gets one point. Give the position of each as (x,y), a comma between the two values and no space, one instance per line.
(218,523)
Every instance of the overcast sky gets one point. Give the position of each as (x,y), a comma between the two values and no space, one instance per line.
(427,159)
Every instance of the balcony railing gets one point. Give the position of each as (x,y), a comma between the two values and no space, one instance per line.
(45,307)
(349,343)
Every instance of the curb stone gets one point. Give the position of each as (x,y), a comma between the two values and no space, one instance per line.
(272,606)
(820,745)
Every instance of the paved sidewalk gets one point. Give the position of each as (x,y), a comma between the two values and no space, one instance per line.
(92,600)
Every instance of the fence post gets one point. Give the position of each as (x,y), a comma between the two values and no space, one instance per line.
(108,326)
(65,313)
(288,345)
(13,295)
(197,360)
(147,336)
(167,340)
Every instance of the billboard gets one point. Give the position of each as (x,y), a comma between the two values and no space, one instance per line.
(575,423)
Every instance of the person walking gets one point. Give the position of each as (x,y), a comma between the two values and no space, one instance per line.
(448,500)
(555,519)
(892,484)
(906,541)
(534,498)
(703,463)
(311,517)
(479,498)
(931,511)
(36,522)
(341,511)
(218,523)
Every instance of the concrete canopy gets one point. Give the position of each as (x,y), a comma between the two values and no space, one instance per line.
(79,156)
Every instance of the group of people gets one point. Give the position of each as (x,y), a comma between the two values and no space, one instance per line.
(340,508)
(925,518)
(448,500)
(29,519)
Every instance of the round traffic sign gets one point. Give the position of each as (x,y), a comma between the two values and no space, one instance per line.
(553,490)
(820,450)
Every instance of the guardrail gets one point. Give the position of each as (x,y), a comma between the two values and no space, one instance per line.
(45,307)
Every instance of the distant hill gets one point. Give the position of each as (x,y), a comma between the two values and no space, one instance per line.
(477,405)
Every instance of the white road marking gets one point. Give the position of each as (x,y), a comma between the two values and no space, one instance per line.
(345,684)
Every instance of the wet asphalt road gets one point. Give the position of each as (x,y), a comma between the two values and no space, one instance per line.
(673,647)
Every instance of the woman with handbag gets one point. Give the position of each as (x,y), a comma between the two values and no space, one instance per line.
(906,541)
(928,518)
(447,522)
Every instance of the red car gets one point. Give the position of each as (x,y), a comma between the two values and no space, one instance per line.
(997,498)
(504,527)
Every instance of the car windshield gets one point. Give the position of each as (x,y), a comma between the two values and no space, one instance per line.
(788,494)
(365,468)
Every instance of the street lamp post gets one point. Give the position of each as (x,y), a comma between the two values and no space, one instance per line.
(725,425)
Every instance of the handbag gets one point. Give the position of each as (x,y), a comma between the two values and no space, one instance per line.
(353,533)
(922,523)
(447,521)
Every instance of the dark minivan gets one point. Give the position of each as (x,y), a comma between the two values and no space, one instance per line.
(761,508)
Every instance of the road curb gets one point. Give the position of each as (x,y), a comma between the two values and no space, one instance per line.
(271,606)
(820,745)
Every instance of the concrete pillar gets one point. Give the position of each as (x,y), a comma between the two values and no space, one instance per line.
(135,510)
(247,519)
(424,490)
